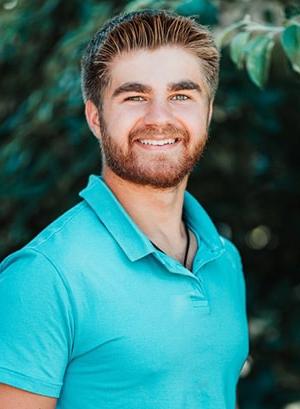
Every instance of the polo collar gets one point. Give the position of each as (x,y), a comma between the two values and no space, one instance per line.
(115,218)
(198,219)
(126,232)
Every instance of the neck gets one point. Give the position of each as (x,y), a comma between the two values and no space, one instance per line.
(158,212)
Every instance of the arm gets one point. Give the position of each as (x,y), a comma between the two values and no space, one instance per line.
(12,398)
(36,330)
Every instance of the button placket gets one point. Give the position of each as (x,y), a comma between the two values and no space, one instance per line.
(197,295)
(172,265)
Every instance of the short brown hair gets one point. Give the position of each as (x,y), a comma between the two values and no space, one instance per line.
(146,29)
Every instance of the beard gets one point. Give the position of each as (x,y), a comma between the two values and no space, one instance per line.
(158,170)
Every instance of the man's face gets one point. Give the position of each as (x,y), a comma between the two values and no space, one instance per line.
(155,116)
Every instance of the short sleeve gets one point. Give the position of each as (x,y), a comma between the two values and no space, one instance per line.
(36,325)
(237,263)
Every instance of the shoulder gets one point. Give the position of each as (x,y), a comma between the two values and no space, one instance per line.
(231,250)
(59,245)
(66,229)
(232,264)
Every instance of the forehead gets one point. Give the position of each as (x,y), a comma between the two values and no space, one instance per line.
(156,68)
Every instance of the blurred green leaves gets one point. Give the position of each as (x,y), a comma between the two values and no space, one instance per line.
(258,58)
(238,48)
(255,53)
(290,40)
(41,110)
(252,46)
(248,178)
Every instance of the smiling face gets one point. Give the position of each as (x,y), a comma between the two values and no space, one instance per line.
(154,121)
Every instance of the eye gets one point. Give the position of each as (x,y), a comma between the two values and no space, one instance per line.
(180,97)
(135,98)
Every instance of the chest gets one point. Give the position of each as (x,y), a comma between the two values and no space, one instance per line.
(149,322)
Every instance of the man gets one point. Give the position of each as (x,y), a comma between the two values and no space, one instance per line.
(131,299)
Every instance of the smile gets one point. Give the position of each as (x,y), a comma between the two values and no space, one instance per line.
(160,142)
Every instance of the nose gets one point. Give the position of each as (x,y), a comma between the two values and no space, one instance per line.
(158,113)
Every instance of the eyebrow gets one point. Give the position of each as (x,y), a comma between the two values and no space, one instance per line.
(184,85)
(144,89)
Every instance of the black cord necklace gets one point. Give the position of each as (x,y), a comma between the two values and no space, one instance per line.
(187,245)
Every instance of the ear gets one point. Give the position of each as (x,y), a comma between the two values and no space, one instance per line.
(92,117)
(210,110)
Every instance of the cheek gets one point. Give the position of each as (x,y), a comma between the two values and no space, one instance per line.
(195,121)
(118,127)
(122,121)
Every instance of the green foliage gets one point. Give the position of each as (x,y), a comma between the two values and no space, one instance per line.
(238,48)
(200,9)
(42,126)
(252,46)
(290,40)
(258,58)
(248,178)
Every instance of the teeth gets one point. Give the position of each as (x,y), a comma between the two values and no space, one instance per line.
(157,143)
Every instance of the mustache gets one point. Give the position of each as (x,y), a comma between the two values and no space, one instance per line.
(168,131)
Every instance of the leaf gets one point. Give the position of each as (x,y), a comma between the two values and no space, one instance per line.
(290,40)
(203,10)
(136,5)
(258,58)
(238,48)
(226,35)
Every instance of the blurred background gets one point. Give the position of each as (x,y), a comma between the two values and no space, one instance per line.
(247,180)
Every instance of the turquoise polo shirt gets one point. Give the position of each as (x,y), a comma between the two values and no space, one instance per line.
(93,314)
